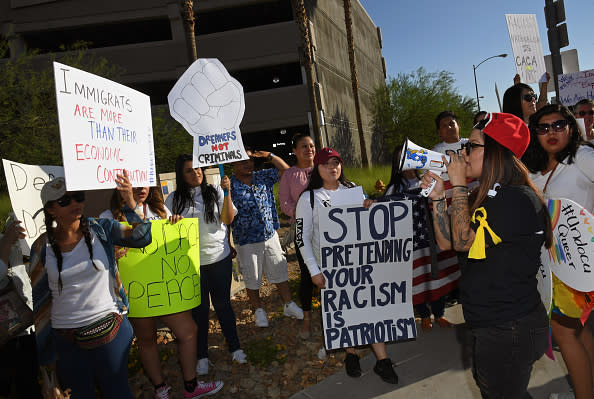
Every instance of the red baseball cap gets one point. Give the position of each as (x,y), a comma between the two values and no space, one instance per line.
(509,131)
(324,154)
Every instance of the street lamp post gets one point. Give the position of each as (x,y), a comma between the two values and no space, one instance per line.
(474,70)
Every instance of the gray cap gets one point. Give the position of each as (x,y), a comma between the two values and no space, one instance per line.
(53,190)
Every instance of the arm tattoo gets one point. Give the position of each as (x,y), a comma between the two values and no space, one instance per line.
(460,223)
(442,220)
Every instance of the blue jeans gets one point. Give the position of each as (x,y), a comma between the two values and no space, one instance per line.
(437,307)
(503,355)
(215,280)
(79,369)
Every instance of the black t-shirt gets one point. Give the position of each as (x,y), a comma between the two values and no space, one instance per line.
(502,287)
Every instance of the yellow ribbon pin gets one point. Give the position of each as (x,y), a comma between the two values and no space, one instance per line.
(477,250)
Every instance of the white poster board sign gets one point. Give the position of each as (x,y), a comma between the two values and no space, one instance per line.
(366,257)
(571,258)
(209,104)
(526,46)
(24,188)
(569,63)
(105,127)
(576,86)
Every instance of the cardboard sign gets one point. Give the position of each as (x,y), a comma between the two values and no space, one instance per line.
(571,258)
(576,86)
(526,46)
(164,277)
(209,103)
(105,127)
(24,188)
(366,258)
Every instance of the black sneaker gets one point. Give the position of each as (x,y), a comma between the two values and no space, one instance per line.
(384,369)
(353,368)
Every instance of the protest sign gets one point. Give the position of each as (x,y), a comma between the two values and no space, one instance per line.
(572,255)
(24,188)
(366,258)
(544,284)
(527,48)
(164,277)
(209,103)
(576,86)
(105,127)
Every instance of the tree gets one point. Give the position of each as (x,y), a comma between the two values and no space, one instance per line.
(408,104)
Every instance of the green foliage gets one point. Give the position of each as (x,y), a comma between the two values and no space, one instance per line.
(5,208)
(262,352)
(29,131)
(170,139)
(408,104)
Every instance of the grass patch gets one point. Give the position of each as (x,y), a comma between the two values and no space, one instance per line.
(367,177)
(262,352)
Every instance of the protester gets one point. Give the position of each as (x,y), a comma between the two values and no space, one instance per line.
(293,181)
(79,302)
(502,225)
(562,166)
(448,131)
(254,232)
(149,200)
(327,176)
(195,198)
(585,109)
(520,99)
(21,370)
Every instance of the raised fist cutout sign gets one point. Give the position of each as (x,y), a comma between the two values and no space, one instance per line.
(209,103)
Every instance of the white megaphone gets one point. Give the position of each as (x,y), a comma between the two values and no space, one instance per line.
(416,157)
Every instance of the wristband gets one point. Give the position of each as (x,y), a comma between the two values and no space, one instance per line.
(460,186)
(439,200)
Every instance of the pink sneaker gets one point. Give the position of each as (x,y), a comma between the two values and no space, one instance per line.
(204,389)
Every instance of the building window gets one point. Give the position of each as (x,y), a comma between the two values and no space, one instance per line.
(226,19)
(277,141)
(269,77)
(97,36)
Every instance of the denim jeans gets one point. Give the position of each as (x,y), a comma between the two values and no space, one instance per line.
(19,367)
(437,307)
(503,354)
(215,279)
(79,369)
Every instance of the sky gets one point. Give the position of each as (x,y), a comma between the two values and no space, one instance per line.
(454,35)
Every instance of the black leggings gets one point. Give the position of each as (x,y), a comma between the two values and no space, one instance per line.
(306,285)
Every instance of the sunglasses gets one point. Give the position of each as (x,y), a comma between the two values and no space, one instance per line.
(529,97)
(468,146)
(584,113)
(557,126)
(66,199)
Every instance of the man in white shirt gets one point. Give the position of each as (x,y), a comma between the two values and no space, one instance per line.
(448,131)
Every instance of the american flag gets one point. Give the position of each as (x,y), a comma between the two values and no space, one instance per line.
(425,288)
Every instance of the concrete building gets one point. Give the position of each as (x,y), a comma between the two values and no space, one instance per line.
(258,41)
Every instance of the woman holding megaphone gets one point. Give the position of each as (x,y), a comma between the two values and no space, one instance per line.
(502,226)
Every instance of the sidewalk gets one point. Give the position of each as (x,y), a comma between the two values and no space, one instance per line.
(435,365)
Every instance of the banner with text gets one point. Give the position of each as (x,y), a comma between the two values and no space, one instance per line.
(105,127)
(209,103)
(24,188)
(572,255)
(527,48)
(366,258)
(164,277)
(576,86)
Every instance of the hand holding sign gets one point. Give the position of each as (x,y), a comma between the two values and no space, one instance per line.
(209,103)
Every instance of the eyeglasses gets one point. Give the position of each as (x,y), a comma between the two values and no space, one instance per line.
(468,146)
(66,199)
(529,97)
(557,126)
(584,113)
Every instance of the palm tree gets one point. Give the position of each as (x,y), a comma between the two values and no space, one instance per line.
(307,61)
(188,17)
(355,80)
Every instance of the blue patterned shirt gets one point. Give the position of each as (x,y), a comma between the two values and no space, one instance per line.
(256,219)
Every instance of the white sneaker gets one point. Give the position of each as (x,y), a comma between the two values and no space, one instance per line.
(291,309)
(239,356)
(202,366)
(261,318)
(163,392)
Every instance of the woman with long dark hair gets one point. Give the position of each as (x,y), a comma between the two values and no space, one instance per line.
(327,176)
(79,303)
(562,166)
(149,201)
(501,226)
(213,207)
(292,183)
